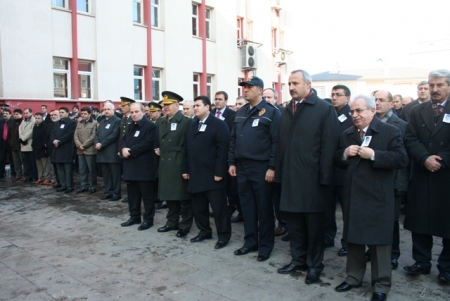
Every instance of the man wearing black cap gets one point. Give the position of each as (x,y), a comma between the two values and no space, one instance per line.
(251,158)
(172,187)
(154,111)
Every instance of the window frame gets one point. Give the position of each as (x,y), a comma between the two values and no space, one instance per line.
(195,85)
(88,7)
(155,9)
(140,7)
(90,75)
(141,87)
(66,72)
(209,85)
(156,83)
(208,23)
(240,28)
(195,17)
(65,4)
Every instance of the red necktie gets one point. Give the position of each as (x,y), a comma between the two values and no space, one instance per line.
(5,130)
(218,114)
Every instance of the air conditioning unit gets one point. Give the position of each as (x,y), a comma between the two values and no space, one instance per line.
(249,57)
(281,57)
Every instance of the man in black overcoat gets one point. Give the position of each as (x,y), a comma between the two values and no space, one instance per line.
(371,151)
(137,149)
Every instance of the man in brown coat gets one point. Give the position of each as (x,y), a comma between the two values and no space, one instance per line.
(84,142)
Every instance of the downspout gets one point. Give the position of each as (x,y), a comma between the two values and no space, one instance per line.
(148,71)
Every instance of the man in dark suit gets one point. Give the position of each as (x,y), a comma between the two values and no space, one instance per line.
(205,166)
(308,141)
(252,158)
(340,96)
(384,103)
(46,116)
(371,151)
(137,149)
(227,115)
(172,187)
(423,95)
(5,149)
(427,139)
(62,139)
(107,143)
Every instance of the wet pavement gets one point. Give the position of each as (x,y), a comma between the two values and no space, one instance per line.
(57,246)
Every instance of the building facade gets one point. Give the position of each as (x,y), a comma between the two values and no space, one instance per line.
(92,50)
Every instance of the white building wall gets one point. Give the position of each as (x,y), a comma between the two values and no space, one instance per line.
(26,43)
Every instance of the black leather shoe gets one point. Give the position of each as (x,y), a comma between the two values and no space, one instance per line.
(444,277)
(125,200)
(82,190)
(182,233)
(244,250)
(91,191)
(237,219)
(290,268)
(312,276)
(417,269)
(287,237)
(130,222)
(378,297)
(161,205)
(280,231)
(367,256)
(68,190)
(145,226)
(220,244)
(105,197)
(167,229)
(115,198)
(61,189)
(200,238)
(262,257)
(342,252)
(345,287)
(394,263)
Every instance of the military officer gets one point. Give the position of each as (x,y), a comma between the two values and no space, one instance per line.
(125,103)
(172,187)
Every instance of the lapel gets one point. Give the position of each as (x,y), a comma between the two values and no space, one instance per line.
(207,122)
(427,115)
(354,136)
(167,124)
(440,122)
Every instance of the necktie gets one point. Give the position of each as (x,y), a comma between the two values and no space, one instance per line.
(5,130)
(199,125)
(437,109)
(295,106)
(218,114)
(361,135)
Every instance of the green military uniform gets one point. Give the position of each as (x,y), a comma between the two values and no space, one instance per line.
(172,186)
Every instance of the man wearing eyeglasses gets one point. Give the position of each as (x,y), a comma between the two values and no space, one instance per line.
(384,104)
(340,96)
(370,151)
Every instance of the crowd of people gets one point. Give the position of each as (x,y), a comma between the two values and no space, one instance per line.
(290,165)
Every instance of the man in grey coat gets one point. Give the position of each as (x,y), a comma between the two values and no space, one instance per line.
(384,104)
(370,151)
(107,144)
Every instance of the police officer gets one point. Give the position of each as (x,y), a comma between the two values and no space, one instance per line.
(251,158)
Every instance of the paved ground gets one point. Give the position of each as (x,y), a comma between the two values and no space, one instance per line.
(69,247)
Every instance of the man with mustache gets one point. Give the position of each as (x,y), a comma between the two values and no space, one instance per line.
(427,139)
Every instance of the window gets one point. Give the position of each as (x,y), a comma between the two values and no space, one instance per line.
(195,20)
(250,30)
(209,79)
(240,28)
(138,82)
(61,78)
(83,6)
(137,11)
(239,91)
(156,83)
(155,13)
(274,38)
(60,3)
(208,23)
(196,85)
(85,79)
